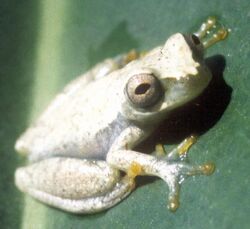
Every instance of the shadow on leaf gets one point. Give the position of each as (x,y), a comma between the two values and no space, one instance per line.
(118,41)
(197,117)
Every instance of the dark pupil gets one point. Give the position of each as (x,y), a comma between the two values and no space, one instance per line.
(142,89)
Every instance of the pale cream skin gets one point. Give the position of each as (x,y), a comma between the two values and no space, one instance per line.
(85,138)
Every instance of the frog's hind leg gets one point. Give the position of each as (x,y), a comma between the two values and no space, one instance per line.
(73,185)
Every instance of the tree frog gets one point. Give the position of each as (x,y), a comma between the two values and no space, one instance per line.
(81,150)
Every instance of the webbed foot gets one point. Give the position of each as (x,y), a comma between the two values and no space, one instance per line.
(178,168)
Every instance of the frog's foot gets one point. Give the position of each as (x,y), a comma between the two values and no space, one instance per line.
(130,56)
(111,64)
(159,150)
(180,152)
(175,175)
(174,168)
(133,55)
(210,28)
(124,59)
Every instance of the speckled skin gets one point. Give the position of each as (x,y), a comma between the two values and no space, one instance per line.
(83,140)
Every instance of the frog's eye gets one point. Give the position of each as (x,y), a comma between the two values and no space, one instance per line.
(144,90)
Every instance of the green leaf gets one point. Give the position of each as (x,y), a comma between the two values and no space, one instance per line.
(45,44)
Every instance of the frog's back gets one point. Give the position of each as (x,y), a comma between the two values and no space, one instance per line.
(83,121)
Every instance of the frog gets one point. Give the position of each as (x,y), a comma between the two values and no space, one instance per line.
(81,150)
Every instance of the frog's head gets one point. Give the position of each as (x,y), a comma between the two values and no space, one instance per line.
(167,78)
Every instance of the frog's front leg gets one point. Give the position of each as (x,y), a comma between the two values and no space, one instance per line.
(74,185)
(171,168)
